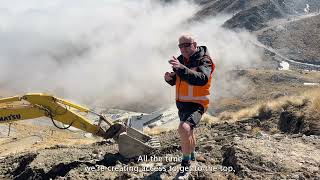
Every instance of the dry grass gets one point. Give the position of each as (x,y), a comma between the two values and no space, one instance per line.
(160,129)
(314,111)
(274,130)
(243,113)
(277,105)
(208,119)
(226,116)
(255,130)
(155,130)
(284,102)
(315,103)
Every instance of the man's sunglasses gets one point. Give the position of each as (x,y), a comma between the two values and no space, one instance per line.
(184,45)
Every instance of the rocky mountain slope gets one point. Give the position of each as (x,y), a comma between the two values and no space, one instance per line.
(268,129)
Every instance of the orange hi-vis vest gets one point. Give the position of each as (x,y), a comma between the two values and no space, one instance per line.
(190,93)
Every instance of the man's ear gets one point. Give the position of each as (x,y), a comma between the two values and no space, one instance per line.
(195,44)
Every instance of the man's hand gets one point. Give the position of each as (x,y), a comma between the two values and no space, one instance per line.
(168,76)
(175,63)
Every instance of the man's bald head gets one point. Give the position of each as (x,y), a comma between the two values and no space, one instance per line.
(186,38)
(187,45)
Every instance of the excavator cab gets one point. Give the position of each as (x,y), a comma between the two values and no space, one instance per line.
(131,142)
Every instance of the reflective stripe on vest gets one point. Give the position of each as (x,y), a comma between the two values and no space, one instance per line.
(189,93)
(185,92)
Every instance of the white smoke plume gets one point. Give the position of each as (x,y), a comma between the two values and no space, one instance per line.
(106,53)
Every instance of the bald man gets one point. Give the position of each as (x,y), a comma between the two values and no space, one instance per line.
(192,74)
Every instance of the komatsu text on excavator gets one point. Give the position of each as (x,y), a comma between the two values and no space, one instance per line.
(131,142)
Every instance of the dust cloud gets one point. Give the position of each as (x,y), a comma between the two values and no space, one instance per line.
(108,53)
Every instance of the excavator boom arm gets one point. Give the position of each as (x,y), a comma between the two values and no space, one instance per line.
(10,114)
(45,105)
(131,142)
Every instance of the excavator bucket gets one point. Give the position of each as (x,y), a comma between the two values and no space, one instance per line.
(131,142)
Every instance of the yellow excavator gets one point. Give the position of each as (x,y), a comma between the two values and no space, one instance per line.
(131,142)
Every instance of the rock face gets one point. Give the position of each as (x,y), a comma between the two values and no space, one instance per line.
(290,28)
(254,18)
(226,6)
(297,39)
(250,9)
